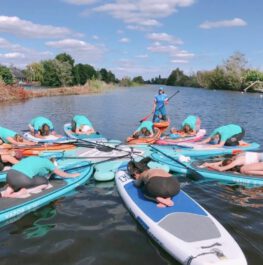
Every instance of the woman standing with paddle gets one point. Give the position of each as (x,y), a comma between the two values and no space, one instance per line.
(160,100)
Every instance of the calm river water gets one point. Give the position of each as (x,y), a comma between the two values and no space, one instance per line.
(92,226)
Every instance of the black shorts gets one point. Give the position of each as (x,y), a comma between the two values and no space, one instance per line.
(162,187)
(17,180)
(234,140)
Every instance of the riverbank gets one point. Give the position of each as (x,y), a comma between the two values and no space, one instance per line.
(16,93)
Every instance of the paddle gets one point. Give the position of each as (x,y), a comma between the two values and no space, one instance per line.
(193,174)
(107,147)
(146,117)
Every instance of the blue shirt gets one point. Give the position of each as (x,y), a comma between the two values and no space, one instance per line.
(191,121)
(146,124)
(34,166)
(227,131)
(6,133)
(39,121)
(159,100)
(82,120)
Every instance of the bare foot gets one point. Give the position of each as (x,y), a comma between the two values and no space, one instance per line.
(160,205)
(165,201)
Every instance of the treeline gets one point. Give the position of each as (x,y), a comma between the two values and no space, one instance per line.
(233,74)
(62,71)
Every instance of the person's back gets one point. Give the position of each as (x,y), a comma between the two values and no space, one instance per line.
(5,134)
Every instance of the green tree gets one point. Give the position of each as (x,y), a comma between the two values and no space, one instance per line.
(6,75)
(64,72)
(83,72)
(34,72)
(177,78)
(50,74)
(64,57)
(138,79)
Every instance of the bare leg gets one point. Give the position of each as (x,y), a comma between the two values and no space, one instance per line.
(165,201)
(9,159)
(9,193)
(253,169)
(39,188)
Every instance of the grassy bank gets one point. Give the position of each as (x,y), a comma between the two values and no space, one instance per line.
(16,93)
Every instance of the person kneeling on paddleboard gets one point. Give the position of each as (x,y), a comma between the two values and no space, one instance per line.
(41,127)
(228,135)
(144,130)
(80,124)
(31,172)
(158,185)
(190,126)
(11,137)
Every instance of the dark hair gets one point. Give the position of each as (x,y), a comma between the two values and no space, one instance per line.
(134,167)
(73,126)
(44,132)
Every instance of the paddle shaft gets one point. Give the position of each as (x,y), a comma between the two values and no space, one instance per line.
(102,145)
(197,175)
(146,117)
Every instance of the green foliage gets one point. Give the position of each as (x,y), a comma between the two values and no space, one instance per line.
(253,75)
(107,76)
(6,75)
(64,72)
(50,74)
(34,72)
(82,73)
(64,57)
(126,81)
(177,78)
(138,79)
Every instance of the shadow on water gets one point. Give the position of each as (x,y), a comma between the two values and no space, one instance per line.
(93,226)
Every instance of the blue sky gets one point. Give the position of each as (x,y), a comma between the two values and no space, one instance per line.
(132,37)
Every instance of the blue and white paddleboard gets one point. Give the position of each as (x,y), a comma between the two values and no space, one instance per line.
(186,230)
(12,208)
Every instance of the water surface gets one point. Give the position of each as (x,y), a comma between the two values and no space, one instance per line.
(91,225)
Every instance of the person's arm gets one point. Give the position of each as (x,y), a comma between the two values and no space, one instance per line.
(210,164)
(236,162)
(64,174)
(205,141)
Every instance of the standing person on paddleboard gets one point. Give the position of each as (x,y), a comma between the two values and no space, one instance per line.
(160,100)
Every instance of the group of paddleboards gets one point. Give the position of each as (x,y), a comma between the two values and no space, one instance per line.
(42,165)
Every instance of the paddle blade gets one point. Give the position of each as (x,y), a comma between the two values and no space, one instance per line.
(193,174)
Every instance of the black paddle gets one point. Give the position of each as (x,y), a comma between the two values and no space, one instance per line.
(106,147)
(193,174)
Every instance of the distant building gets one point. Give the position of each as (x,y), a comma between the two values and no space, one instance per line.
(18,75)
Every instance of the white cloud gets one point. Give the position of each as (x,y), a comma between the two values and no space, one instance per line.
(119,31)
(19,55)
(180,61)
(142,56)
(95,37)
(177,55)
(12,55)
(142,14)
(164,37)
(124,40)
(81,2)
(236,22)
(25,28)
(80,50)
